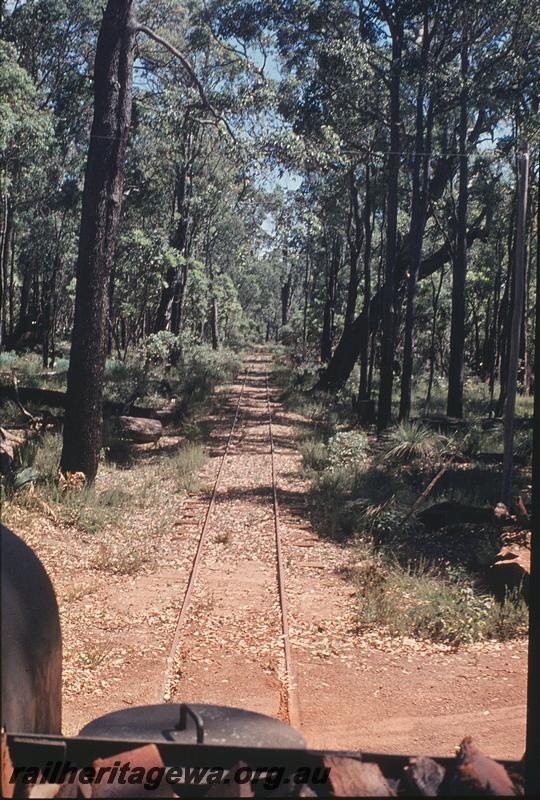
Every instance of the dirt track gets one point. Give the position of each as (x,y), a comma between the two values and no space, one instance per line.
(361,693)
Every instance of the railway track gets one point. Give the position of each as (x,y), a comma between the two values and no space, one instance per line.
(288,706)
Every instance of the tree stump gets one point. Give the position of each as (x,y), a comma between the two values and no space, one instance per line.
(511,570)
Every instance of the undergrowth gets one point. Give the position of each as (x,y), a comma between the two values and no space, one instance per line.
(112,500)
(410,580)
(422,601)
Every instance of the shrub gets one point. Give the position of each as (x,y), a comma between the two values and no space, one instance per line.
(508,619)
(183,465)
(9,412)
(201,369)
(413,441)
(159,348)
(417,600)
(314,454)
(46,458)
(347,448)
(523,445)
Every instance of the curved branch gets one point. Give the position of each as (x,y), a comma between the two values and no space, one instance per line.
(190,71)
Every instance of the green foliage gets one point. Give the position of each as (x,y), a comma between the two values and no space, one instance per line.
(24,126)
(202,368)
(46,458)
(523,445)
(347,448)
(160,348)
(184,464)
(508,619)
(26,366)
(410,441)
(314,454)
(419,601)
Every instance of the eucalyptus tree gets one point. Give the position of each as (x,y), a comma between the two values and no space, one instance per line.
(102,200)
(496,37)
(25,135)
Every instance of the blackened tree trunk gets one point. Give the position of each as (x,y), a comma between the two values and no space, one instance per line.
(363,388)
(515,333)
(435,297)
(384,412)
(214,323)
(102,200)
(459,264)
(6,246)
(214,314)
(420,179)
(47,314)
(332,270)
(307,274)
(172,295)
(355,249)
(491,346)
(286,298)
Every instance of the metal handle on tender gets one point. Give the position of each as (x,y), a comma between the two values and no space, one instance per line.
(186,710)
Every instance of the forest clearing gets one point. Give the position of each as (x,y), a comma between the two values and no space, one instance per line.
(269,301)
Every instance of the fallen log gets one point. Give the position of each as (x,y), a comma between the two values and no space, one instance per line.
(448,424)
(429,488)
(441,422)
(497,458)
(55,399)
(451,513)
(134,429)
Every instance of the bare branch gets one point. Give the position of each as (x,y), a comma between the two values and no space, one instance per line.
(191,72)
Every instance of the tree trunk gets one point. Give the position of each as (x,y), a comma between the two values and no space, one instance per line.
(513,360)
(526,385)
(214,316)
(435,296)
(307,273)
(6,245)
(420,181)
(172,295)
(506,309)
(384,412)
(492,350)
(214,324)
(179,299)
(363,388)
(459,270)
(12,290)
(49,291)
(286,296)
(332,270)
(355,249)
(102,200)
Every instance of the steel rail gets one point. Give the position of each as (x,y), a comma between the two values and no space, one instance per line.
(293,710)
(164,694)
